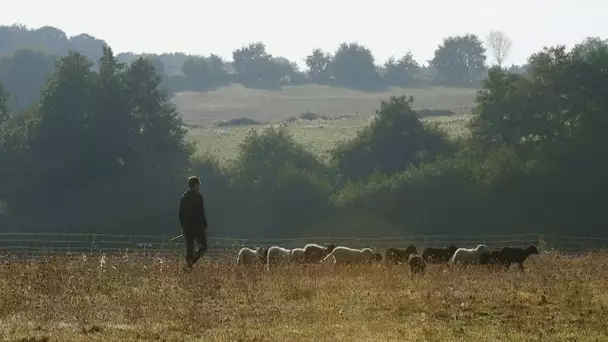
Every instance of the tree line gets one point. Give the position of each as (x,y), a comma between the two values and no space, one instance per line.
(28,57)
(103,150)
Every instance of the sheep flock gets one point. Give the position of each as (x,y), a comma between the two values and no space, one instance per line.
(409,256)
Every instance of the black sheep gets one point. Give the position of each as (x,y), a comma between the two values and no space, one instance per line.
(490,258)
(399,255)
(378,257)
(314,253)
(438,255)
(494,257)
(511,255)
(484,258)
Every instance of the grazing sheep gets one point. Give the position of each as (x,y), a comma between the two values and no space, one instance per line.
(416,263)
(278,255)
(438,255)
(399,255)
(468,255)
(493,257)
(297,255)
(484,258)
(378,257)
(510,255)
(249,256)
(346,255)
(314,253)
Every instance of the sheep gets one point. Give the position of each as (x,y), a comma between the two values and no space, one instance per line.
(297,255)
(439,255)
(468,255)
(484,258)
(347,255)
(378,257)
(490,258)
(248,256)
(278,255)
(416,263)
(314,253)
(509,255)
(399,255)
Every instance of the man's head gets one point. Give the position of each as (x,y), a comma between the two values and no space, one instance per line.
(194,183)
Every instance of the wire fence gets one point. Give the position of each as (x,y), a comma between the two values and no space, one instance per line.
(35,244)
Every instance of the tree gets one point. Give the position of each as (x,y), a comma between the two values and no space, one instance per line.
(4,114)
(401,72)
(286,68)
(157,63)
(23,74)
(500,45)
(215,64)
(161,143)
(94,132)
(254,66)
(52,40)
(554,118)
(318,64)
(197,73)
(559,97)
(353,66)
(204,72)
(279,177)
(459,60)
(395,140)
(589,46)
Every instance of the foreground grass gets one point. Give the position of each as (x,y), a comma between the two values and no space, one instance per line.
(209,108)
(317,136)
(558,298)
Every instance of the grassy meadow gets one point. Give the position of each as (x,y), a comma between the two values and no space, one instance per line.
(319,136)
(558,298)
(203,111)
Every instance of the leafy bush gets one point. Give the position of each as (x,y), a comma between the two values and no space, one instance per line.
(395,140)
(283,185)
(434,112)
(238,122)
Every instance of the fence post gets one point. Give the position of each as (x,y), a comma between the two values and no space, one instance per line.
(92,244)
(541,242)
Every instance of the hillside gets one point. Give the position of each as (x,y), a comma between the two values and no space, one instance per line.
(209,108)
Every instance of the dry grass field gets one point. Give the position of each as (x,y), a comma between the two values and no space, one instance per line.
(209,108)
(558,298)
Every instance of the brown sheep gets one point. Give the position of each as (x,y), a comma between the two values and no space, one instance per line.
(438,255)
(399,255)
(416,263)
(511,255)
(314,253)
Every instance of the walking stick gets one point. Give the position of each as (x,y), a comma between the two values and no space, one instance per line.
(168,242)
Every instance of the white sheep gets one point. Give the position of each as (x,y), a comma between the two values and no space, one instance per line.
(297,255)
(249,256)
(347,255)
(468,255)
(278,255)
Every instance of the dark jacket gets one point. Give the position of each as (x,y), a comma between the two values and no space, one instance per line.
(192,211)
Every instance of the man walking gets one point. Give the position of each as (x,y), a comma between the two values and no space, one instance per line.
(193,221)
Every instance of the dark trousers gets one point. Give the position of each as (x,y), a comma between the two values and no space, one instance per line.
(195,237)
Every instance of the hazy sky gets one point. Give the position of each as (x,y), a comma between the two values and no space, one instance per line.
(387,27)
